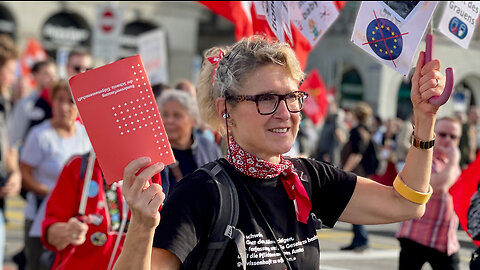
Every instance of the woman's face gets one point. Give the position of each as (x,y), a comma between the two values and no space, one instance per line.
(7,73)
(178,123)
(64,109)
(266,136)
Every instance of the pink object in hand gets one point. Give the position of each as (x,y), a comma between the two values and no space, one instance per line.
(447,91)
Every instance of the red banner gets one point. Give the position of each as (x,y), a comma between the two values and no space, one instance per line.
(315,106)
(463,190)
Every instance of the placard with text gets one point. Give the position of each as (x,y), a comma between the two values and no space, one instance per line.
(121,117)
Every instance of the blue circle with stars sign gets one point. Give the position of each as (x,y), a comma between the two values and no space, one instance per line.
(384,38)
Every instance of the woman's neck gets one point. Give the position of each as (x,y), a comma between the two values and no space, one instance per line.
(64,129)
(273,159)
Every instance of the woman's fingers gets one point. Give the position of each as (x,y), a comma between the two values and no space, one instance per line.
(432,65)
(152,197)
(132,168)
(141,180)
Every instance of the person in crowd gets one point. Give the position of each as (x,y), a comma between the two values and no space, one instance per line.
(354,156)
(433,237)
(20,89)
(179,113)
(158,88)
(89,241)
(468,141)
(378,129)
(403,140)
(46,150)
(187,86)
(332,136)
(10,180)
(252,96)
(78,61)
(45,75)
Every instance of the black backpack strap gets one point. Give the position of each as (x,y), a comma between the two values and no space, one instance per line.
(223,227)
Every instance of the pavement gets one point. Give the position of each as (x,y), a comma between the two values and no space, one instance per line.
(383,254)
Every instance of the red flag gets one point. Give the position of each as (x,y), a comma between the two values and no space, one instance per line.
(339,4)
(34,52)
(250,21)
(463,190)
(238,12)
(315,106)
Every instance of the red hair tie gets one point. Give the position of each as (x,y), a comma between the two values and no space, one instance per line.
(214,60)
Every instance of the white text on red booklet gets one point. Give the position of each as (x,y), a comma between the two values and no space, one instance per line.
(118,109)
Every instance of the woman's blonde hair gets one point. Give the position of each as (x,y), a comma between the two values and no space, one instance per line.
(240,60)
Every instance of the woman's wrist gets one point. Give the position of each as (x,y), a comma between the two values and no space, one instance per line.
(423,127)
(139,227)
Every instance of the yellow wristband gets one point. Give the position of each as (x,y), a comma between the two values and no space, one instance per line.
(410,194)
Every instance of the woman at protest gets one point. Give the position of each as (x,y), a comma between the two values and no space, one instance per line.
(251,95)
(47,148)
(89,241)
(179,113)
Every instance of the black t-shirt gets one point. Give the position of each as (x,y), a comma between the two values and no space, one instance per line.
(192,206)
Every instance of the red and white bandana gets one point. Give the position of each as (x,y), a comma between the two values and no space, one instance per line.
(256,167)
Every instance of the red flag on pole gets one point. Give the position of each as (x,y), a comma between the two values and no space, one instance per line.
(34,52)
(463,190)
(315,106)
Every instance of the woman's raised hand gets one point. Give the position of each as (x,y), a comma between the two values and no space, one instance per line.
(427,82)
(144,199)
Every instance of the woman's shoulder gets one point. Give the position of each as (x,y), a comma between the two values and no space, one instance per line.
(199,180)
(43,131)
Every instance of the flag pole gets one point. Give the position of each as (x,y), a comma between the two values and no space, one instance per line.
(86,183)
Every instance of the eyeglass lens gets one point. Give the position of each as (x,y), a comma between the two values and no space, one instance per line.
(268,103)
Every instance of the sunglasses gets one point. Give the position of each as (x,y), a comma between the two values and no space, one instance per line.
(80,69)
(444,134)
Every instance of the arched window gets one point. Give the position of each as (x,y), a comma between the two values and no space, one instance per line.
(351,88)
(7,22)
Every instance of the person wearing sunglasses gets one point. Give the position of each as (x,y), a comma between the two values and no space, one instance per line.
(433,237)
(250,94)
(78,61)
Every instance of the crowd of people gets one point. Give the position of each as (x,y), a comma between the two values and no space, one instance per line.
(235,111)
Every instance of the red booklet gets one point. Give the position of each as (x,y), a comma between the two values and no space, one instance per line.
(118,109)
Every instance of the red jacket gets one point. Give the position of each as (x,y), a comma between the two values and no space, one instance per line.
(63,204)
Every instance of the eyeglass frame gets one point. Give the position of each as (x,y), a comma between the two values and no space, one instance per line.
(255,98)
(81,69)
(446,134)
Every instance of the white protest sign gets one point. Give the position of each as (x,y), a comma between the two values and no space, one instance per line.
(152,47)
(274,17)
(259,9)
(458,21)
(286,20)
(313,18)
(391,41)
(107,31)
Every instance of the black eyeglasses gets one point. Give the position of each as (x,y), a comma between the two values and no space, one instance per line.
(268,103)
(80,69)
(444,134)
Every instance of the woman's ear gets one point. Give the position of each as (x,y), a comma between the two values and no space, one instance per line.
(220,106)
